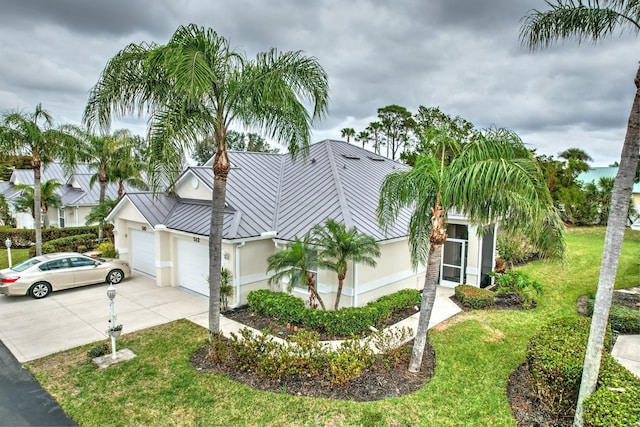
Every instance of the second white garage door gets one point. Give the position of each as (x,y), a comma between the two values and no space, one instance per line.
(193,266)
(143,252)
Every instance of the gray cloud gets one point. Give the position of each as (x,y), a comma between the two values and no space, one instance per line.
(461,55)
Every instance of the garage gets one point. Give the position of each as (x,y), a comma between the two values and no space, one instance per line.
(193,266)
(143,252)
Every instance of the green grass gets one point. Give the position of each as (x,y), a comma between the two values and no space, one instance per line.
(476,352)
(17,256)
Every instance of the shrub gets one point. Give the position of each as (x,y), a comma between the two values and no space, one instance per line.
(473,297)
(514,248)
(106,249)
(622,319)
(555,356)
(345,322)
(616,401)
(518,283)
(67,244)
(98,350)
(25,238)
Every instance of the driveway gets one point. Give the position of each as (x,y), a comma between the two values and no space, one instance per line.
(32,329)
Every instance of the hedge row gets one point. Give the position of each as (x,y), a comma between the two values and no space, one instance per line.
(555,358)
(23,238)
(344,322)
(622,319)
(474,297)
(76,243)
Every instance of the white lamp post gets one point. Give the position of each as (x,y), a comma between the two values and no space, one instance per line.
(111,293)
(8,245)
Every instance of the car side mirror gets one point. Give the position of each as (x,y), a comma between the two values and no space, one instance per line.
(96,263)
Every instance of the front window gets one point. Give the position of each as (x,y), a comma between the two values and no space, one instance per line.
(61,217)
(82,261)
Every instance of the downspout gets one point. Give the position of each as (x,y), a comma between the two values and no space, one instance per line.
(236,276)
(355,284)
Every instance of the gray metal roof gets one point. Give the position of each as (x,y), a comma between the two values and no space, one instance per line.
(271,192)
(75,190)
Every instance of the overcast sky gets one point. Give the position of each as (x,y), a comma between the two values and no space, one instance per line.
(463,56)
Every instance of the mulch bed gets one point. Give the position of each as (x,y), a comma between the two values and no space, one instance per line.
(380,382)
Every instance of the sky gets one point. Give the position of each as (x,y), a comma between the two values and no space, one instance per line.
(463,56)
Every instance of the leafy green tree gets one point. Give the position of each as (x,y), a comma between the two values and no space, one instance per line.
(492,178)
(49,198)
(430,124)
(348,133)
(397,123)
(596,20)
(295,264)
(338,245)
(34,135)
(196,86)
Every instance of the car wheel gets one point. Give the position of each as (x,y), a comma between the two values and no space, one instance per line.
(39,290)
(115,276)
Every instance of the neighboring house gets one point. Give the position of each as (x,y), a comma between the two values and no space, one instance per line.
(270,200)
(593,175)
(78,197)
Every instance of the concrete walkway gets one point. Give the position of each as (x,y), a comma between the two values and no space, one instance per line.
(627,351)
(443,309)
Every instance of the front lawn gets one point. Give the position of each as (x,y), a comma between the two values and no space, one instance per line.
(17,256)
(476,352)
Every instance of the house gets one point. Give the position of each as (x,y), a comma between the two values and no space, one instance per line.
(77,195)
(270,200)
(593,175)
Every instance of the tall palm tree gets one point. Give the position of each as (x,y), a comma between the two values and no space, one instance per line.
(595,20)
(347,132)
(337,246)
(34,135)
(363,136)
(375,128)
(493,177)
(295,264)
(126,167)
(195,86)
(49,198)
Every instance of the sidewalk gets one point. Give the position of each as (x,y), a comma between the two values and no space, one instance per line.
(627,351)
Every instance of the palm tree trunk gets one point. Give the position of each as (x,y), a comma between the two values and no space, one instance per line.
(221,167)
(37,212)
(437,238)
(426,307)
(314,291)
(339,293)
(611,253)
(103,193)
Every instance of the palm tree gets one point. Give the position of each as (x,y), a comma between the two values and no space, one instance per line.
(196,86)
(581,21)
(49,198)
(98,215)
(295,263)
(348,132)
(375,128)
(33,134)
(364,137)
(337,246)
(126,167)
(490,178)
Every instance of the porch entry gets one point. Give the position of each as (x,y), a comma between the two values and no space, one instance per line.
(453,265)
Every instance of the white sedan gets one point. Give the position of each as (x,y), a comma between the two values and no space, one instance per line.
(47,273)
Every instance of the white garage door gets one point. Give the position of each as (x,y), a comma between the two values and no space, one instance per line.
(193,266)
(143,252)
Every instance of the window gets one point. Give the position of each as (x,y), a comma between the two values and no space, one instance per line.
(61,217)
(55,264)
(82,262)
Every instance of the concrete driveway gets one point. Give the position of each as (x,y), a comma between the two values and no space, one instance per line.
(36,328)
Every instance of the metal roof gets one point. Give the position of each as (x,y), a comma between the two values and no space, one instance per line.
(272,192)
(593,175)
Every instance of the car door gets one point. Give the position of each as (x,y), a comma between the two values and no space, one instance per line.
(59,273)
(86,270)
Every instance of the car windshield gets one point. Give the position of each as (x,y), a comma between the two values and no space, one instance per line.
(26,264)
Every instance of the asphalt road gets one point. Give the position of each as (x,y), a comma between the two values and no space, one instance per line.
(23,402)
